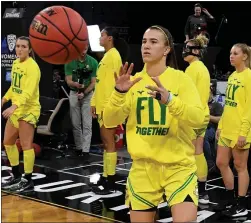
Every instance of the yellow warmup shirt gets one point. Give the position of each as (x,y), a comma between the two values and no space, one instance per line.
(24,89)
(105,81)
(201,78)
(155,131)
(236,118)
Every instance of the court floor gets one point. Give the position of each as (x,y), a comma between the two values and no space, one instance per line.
(62,194)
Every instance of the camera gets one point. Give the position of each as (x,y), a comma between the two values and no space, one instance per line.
(82,73)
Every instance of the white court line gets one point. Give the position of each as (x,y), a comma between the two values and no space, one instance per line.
(94,173)
(162,205)
(87,176)
(99,173)
(211,188)
(214,179)
(94,154)
(118,168)
(215,186)
(91,164)
(212,203)
(122,169)
(118,208)
(75,174)
(124,184)
(120,181)
(123,164)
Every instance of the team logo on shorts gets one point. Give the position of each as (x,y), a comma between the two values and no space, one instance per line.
(196,191)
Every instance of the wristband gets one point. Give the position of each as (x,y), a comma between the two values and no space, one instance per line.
(120,90)
(170,96)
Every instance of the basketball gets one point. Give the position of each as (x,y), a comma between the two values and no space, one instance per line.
(58,34)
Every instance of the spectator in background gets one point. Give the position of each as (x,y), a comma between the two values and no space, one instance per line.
(197,23)
(80,75)
(216,110)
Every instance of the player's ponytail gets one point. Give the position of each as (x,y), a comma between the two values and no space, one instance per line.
(119,43)
(171,60)
(26,38)
(200,42)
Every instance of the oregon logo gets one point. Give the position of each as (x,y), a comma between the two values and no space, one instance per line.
(196,191)
(39,27)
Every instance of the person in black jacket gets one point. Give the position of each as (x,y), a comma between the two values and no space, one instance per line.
(197,23)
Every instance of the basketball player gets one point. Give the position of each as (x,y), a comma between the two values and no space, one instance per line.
(158,131)
(115,53)
(192,53)
(22,115)
(81,78)
(234,131)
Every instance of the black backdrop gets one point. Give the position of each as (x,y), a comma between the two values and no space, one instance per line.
(140,15)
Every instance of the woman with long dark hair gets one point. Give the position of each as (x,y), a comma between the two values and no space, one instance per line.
(116,52)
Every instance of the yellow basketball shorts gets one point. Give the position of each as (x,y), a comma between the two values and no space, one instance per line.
(148,181)
(101,122)
(199,133)
(231,143)
(30,116)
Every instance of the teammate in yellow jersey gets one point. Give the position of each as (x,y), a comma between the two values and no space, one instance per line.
(22,115)
(158,131)
(193,53)
(234,131)
(115,53)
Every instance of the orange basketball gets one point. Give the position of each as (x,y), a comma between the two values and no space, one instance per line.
(58,34)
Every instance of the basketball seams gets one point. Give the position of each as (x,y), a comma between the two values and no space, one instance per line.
(54,41)
(69,22)
(53,49)
(60,32)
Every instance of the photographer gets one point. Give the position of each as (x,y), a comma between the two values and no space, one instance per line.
(80,76)
(197,23)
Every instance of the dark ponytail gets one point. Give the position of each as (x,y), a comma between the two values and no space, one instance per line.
(119,43)
(31,54)
(171,60)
